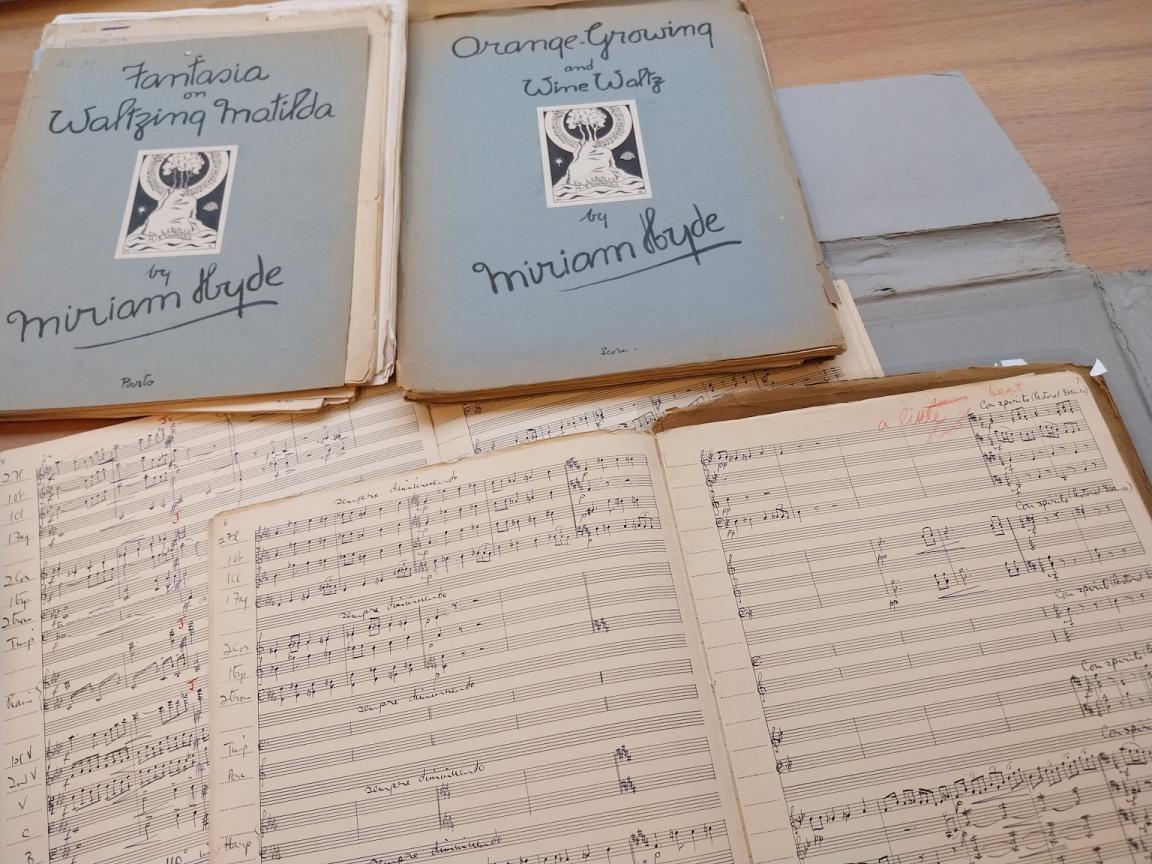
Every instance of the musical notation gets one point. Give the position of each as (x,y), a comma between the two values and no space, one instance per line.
(487,659)
(927,618)
(106,658)
(485,426)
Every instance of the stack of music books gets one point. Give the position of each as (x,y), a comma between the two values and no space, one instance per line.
(771,606)
(199,211)
(599,194)
(201,208)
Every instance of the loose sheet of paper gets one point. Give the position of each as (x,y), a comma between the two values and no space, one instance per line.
(105,596)
(927,620)
(490,661)
(478,427)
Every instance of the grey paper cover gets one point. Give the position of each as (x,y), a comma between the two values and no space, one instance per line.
(177,220)
(594,191)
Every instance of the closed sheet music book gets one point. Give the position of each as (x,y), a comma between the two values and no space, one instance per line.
(180,217)
(599,193)
(905,620)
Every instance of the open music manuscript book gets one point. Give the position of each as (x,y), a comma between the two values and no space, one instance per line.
(106,717)
(907,628)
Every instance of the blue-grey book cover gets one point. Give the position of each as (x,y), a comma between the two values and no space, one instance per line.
(599,192)
(177,220)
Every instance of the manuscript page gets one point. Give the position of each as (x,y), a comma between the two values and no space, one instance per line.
(927,620)
(490,661)
(103,552)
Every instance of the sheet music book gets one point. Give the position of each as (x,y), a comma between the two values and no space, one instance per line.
(241,164)
(904,623)
(603,195)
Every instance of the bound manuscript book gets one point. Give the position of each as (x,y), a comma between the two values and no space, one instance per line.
(601,193)
(906,620)
(105,563)
(192,209)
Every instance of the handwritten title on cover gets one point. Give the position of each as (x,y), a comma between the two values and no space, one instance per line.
(593,154)
(194,79)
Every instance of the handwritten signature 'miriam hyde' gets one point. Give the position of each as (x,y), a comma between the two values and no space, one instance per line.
(207,292)
(653,241)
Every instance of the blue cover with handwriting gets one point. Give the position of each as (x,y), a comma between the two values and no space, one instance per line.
(598,191)
(178,220)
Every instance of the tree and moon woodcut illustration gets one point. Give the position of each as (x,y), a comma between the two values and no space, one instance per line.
(593,154)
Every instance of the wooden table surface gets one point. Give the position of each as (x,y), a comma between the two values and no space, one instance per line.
(1069,80)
